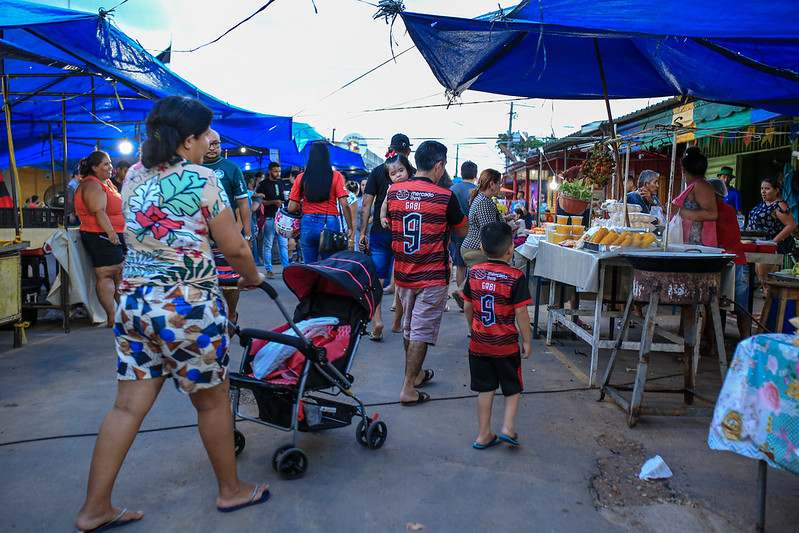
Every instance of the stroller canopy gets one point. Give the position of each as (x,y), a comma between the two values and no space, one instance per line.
(346,273)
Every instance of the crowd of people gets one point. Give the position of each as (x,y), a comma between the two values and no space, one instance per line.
(163,232)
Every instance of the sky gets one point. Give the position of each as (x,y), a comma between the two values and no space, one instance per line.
(291,59)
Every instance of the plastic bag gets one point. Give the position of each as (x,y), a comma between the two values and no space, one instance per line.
(655,468)
(675,230)
(272,354)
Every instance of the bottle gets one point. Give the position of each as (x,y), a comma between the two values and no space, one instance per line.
(741,222)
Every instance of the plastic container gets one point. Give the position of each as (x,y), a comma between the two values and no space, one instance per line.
(563,220)
(577,231)
(558,238)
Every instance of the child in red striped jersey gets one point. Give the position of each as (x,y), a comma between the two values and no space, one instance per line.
(496,295)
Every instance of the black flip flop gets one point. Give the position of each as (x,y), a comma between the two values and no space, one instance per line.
(422,398)
(428,375)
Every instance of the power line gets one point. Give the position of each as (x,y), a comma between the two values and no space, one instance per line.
(439,105)
(228,31)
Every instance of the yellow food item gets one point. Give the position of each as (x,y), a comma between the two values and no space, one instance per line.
(628,240)
(647,239)
(637,240)
(558,238)
(620,239)
(609,238)
(599,235)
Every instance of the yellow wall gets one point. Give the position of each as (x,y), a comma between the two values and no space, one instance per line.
(31,181)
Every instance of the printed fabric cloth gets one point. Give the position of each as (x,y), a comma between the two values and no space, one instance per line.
(757,412)
(167,209)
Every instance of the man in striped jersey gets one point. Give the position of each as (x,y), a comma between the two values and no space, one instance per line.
(496,295)
(421,215)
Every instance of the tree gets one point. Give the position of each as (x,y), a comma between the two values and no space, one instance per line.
(521,145)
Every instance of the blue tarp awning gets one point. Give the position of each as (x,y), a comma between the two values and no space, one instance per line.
(711,50)
(64,64)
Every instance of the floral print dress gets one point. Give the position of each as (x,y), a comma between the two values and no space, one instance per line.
(171,318)
(167,209)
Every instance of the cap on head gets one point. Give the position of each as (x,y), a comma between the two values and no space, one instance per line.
(726,171)
(400,141)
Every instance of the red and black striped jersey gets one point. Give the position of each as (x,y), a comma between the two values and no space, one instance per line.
(495,290)
(421,214)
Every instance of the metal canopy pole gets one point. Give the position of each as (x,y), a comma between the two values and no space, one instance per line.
(607,107)
(12,160)
(65,304)
(671,189)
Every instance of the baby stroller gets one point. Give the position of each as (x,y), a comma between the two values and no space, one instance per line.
(300,395)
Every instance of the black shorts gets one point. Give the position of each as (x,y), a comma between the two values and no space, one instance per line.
(488,373)
(100,249)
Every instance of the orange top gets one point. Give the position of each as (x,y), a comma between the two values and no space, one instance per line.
(113,208)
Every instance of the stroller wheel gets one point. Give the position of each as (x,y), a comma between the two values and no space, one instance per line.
(376,434)
(292,464)
(238,441)
(278,454)
(360,432)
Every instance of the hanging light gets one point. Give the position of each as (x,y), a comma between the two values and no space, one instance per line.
(125,147)
(246,166)
(243,150)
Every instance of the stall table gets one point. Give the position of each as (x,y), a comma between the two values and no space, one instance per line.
(757,411)
(753,258)
(587,272)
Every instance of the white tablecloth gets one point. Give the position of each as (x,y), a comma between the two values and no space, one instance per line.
(580,268)
(69,252)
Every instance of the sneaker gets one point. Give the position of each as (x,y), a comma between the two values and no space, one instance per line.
(270,275)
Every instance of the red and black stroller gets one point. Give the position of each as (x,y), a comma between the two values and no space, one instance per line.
(301,394)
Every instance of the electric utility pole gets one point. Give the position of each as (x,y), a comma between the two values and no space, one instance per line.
(510,134)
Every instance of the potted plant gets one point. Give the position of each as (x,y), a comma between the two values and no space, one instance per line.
(574,197)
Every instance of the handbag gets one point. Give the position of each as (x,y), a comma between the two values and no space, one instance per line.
(331,241)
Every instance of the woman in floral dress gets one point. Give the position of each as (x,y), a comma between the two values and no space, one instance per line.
(171,319)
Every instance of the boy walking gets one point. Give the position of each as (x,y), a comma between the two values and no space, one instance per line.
(495,295)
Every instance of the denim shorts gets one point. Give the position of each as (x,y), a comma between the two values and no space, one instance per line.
(382,255)
(455,250)
(742,285)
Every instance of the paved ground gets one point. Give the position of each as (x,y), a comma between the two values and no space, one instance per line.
(574,472)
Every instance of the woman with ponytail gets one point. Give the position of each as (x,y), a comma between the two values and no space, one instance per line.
(482,210)
(171,319)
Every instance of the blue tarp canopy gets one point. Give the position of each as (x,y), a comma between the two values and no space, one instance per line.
(64,65)
(713,50)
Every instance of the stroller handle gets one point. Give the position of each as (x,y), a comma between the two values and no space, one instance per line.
(264,286)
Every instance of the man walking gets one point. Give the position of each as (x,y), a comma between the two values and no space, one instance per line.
(273,192)
(232,179)
(421,215)
(378,244)
(462,191)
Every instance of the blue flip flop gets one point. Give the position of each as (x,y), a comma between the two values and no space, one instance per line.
(264,496)
(509,440)
(484,446)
